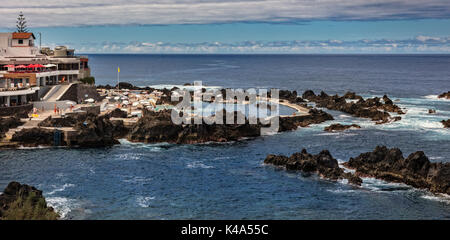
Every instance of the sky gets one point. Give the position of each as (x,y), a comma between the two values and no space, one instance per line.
(231,26)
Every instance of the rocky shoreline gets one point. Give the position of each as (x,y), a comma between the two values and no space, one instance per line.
(89,130)
(322,164)
(23,202)
(383,163)
(340,127)
(372,108)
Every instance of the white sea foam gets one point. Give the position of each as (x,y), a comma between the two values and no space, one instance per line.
(62,206)
(378,185)
(137,179)
(60,189)
(431,97)
(198,164)
(341,190)
(38,147)
(143,201)
(444,198)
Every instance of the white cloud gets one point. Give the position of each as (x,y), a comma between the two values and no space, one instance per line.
(46,13)
(419,44)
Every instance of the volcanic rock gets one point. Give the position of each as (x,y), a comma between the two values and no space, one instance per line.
(7,123)
(446,123)
(293,122)
(415,170)
(158,127)
(323,164)
(117,113)
(23,202)
(340,127)
(371,108)
(445,95)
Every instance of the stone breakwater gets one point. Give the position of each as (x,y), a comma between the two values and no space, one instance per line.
(23,202)
(372,108)
(383,163)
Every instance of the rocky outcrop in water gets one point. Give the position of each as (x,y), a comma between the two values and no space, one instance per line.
(323,164)
(371,108)
(293,122)
(158,127)
(445,95)
(94,131)
(415,170)
(23,202)
(290,96)
(446,123)
(340,127)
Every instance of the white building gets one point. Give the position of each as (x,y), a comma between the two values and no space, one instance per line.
(26,72)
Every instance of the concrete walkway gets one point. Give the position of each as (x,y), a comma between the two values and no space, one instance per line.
(56,92)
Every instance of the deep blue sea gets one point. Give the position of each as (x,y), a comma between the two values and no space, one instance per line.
(229,180)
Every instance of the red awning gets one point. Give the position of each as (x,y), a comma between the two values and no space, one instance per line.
(21,66)
(9,66)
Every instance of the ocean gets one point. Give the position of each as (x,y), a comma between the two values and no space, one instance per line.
(229,180)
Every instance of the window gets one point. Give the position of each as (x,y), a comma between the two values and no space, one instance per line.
(20,41)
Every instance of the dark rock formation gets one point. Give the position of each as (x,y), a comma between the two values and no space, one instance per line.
(68,121)
(293,122)
(371,108)
(94,131)
(290,96)
(23,202)
(431,111)
(158,127)
(89,131)
(33,137)
(446,123)
(445,95)
(323,164)
(340,127)
(117,113)
(125,85)
(415,170)
(7,123)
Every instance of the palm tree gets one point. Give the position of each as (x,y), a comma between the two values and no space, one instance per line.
(21,23)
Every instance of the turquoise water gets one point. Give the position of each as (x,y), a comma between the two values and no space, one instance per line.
(229,180)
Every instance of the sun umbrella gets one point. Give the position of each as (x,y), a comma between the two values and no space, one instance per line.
(9,66)
(21,66)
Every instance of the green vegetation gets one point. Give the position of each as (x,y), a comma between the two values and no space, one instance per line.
(88,80)
(32,207)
